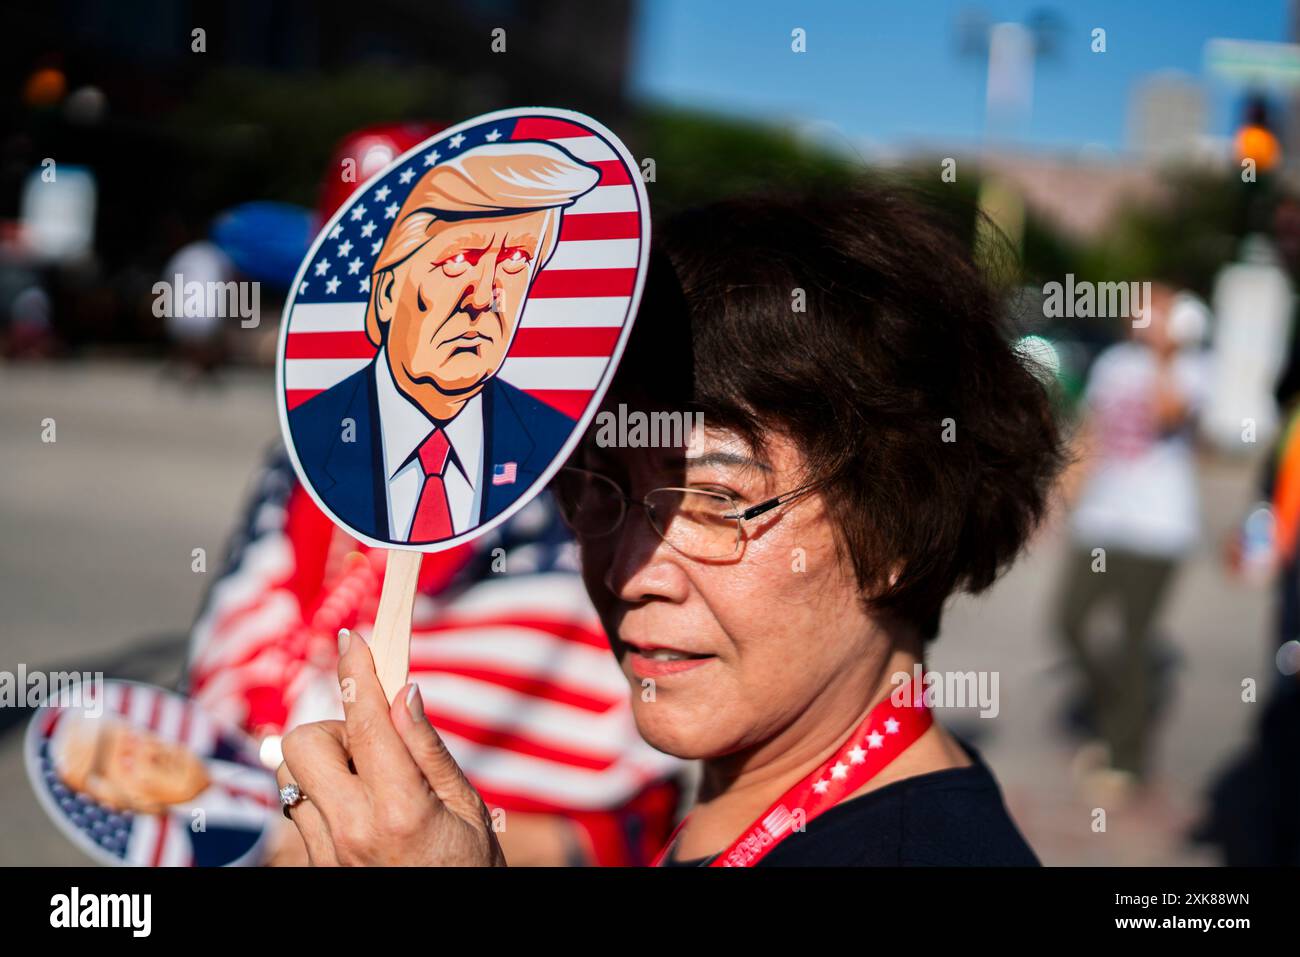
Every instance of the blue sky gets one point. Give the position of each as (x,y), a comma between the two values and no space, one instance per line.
(888,73)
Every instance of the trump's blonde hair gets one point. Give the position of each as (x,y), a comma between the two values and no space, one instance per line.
(494,179)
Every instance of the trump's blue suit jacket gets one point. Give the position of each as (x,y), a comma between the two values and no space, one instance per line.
(349,476)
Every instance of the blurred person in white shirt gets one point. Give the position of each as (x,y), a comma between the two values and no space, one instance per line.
(1137,516)
(194,328)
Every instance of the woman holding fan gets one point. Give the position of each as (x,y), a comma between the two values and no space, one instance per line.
(769,589)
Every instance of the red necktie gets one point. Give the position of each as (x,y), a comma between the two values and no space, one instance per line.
(432,521)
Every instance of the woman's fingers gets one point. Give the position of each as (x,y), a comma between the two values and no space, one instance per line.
(286,847)
(429,753)
(338,730)
(311,825)
(416,810)
(380,757)
(462,833)
(317,756)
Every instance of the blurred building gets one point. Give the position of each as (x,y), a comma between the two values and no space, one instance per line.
(1079,195)
(1167,118)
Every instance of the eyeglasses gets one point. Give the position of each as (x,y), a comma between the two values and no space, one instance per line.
(698,523)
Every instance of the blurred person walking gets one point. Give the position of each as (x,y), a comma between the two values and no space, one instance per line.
(1136,519)
(194,326)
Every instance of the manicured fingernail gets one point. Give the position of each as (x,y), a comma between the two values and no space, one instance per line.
(414,702)
(345,639)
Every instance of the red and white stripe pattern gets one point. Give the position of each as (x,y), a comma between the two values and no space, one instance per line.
(165,714)
(576,310)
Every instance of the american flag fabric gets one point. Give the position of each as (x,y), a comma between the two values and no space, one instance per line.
(505,474)
(239,806)
(515,670)
(576,310)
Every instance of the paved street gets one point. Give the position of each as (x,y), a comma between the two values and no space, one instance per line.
(95,573)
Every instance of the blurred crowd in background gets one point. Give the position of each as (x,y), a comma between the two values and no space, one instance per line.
(135,149)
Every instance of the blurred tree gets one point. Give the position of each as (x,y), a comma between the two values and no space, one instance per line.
(258,135)
(1183,242)
(700,157)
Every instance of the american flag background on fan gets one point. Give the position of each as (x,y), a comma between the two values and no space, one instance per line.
(581,300)
(210,802)
(471,301)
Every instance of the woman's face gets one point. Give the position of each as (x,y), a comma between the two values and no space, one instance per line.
(774,627)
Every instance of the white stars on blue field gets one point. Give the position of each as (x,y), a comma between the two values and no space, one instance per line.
(111,830)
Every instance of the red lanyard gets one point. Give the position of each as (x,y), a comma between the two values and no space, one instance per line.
(886,732)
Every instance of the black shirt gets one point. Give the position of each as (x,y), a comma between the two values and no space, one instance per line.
(950,818)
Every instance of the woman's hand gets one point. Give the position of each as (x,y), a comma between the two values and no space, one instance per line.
(286,848)
(380,787)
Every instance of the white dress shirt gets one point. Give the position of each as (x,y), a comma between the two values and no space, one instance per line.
(403,428)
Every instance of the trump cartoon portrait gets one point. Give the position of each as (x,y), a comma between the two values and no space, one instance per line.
(148,779)
(427,441)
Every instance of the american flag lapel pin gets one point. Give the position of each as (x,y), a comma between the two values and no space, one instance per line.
(504,474)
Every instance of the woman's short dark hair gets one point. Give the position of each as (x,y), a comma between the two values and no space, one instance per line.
(859,325)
